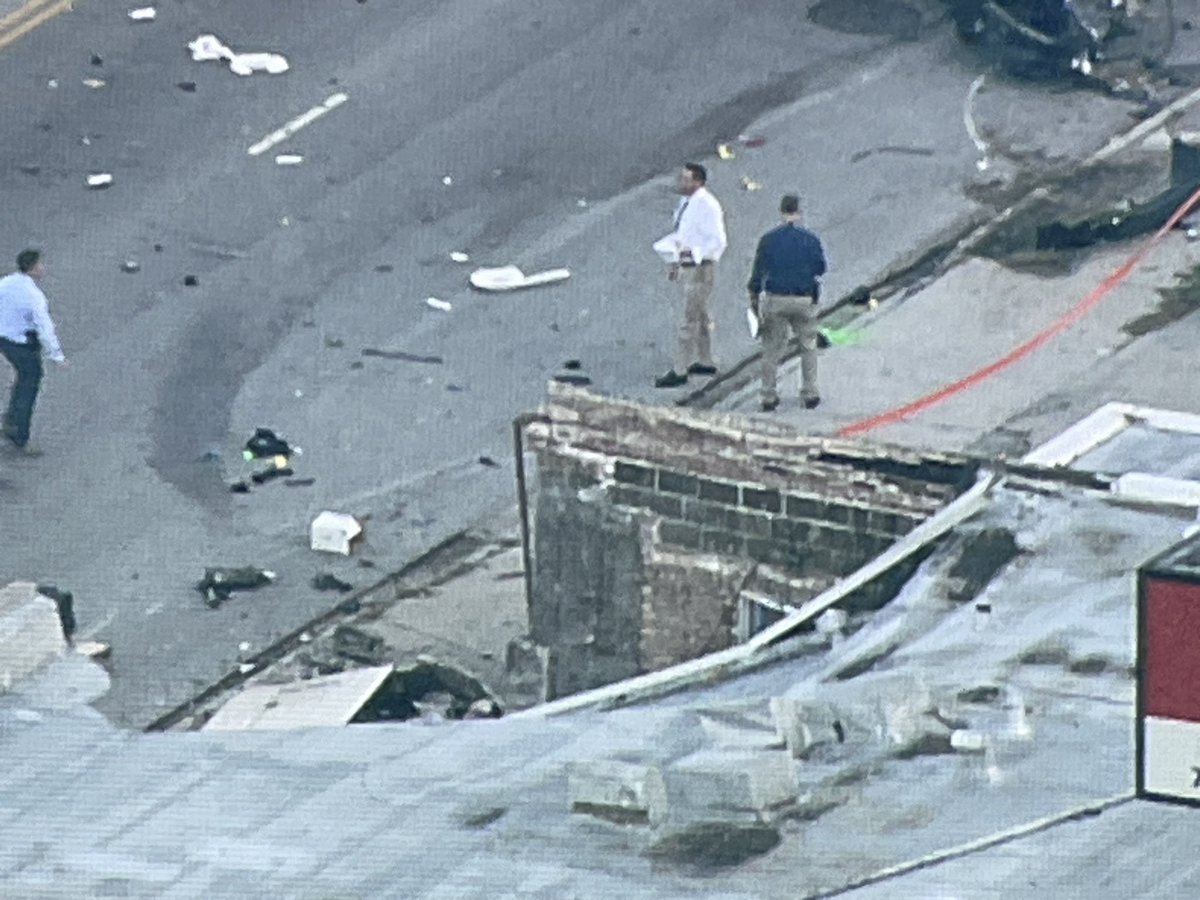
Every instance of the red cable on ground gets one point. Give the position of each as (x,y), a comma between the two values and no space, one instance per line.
(1072,316)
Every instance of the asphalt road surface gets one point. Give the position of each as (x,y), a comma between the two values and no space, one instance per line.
(535,112)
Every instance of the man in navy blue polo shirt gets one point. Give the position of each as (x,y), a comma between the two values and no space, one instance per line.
(784,291)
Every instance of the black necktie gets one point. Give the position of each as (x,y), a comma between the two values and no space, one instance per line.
(679,215)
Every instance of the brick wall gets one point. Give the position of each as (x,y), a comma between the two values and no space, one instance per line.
(708,501)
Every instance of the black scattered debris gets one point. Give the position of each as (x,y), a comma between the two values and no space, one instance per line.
(455,388)
(384,267)
(131,266)
(860,296)
(158,248)
(300,482)
(401,355)
(190,281)
(356,364)
(489,462)
(31,170)
(65,602)
(187,86)
(579,380)
(271,473)
(840,731)
(217,584)
(96,60)
(309,323)
(265,442)
(326,582)
(334,343)
(239,487)
(366,564)
(554,327)
(572,365)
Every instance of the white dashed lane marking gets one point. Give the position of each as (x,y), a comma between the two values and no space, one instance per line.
(282,134)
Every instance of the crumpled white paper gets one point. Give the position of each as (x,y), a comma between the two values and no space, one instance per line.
(667,249)
(208,47)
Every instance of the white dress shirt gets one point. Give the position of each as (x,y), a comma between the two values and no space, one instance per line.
(23,308)
(701,226)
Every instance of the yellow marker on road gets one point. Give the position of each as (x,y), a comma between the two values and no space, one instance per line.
(28,17)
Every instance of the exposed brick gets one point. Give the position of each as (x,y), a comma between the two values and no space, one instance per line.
(804,507)
(676,483)
(839,540)
(789,531)
(885,522)
(756,498)
(665,505)
(722,542)
(718,491)
(628,495)
(683,534)
(752,524)
(836,513)
(628,473)
(710,515)
(775,553)
(859,517)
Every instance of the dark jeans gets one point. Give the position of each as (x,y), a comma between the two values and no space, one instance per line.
(26,359)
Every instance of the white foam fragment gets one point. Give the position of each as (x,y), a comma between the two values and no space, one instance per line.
(144,14)
(434,302)
(99,180)
(288,159)
(459,257)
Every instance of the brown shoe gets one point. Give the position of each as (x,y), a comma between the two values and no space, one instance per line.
(812,402)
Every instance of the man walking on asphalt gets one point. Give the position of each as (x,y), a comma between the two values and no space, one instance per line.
(699,238)
(786,268)
(25,331)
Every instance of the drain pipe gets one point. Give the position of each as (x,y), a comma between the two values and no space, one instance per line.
(520,423)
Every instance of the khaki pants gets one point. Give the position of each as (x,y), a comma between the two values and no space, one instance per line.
(777,314)
(695,323)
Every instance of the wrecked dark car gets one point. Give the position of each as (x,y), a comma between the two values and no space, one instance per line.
(1056,38)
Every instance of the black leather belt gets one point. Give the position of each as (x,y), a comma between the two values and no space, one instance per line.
(692,265)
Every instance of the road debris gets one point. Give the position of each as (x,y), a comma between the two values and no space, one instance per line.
(99,181)
(434,302)
(288,159)
(266,443)
(511,278)
(300,482)
(262,476)
(96,60)
(334,343)
(751,140)
(190,281)
(749,184)
(218,583)
(385,268)
(402,356)
(143,14)
(94,83)
(459,257)
(94,649)
(31,170)
(326,582)
(447,181)
(333,532)
(207,47)
(489,462)
(52,83)
(725,152)
(186,86)
(131,266)
(573,365)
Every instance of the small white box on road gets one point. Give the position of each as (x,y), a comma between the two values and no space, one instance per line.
(332,532)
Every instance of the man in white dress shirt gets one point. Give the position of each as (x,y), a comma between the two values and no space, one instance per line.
(699,237)
(26,331)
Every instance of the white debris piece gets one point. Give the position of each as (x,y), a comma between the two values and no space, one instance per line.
(144,14)
(459,257)
(447,181)
(93,82)
(99,180)
(52,83)
(434,302)
(510,278)
(288,159)
(208,47)
(332,532)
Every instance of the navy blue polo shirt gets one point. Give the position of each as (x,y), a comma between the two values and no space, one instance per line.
(789,261)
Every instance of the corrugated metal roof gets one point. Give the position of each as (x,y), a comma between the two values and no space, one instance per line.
(316,703)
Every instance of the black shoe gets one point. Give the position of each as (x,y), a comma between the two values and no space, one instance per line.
(770,405)
(702,369)
(812,402)
(670,380)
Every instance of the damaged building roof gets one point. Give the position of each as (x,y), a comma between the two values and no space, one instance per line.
(1017,631)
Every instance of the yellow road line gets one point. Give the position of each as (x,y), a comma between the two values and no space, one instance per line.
(29,17)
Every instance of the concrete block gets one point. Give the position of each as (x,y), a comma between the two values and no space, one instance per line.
(30,632)
(728,785)
(616,790)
